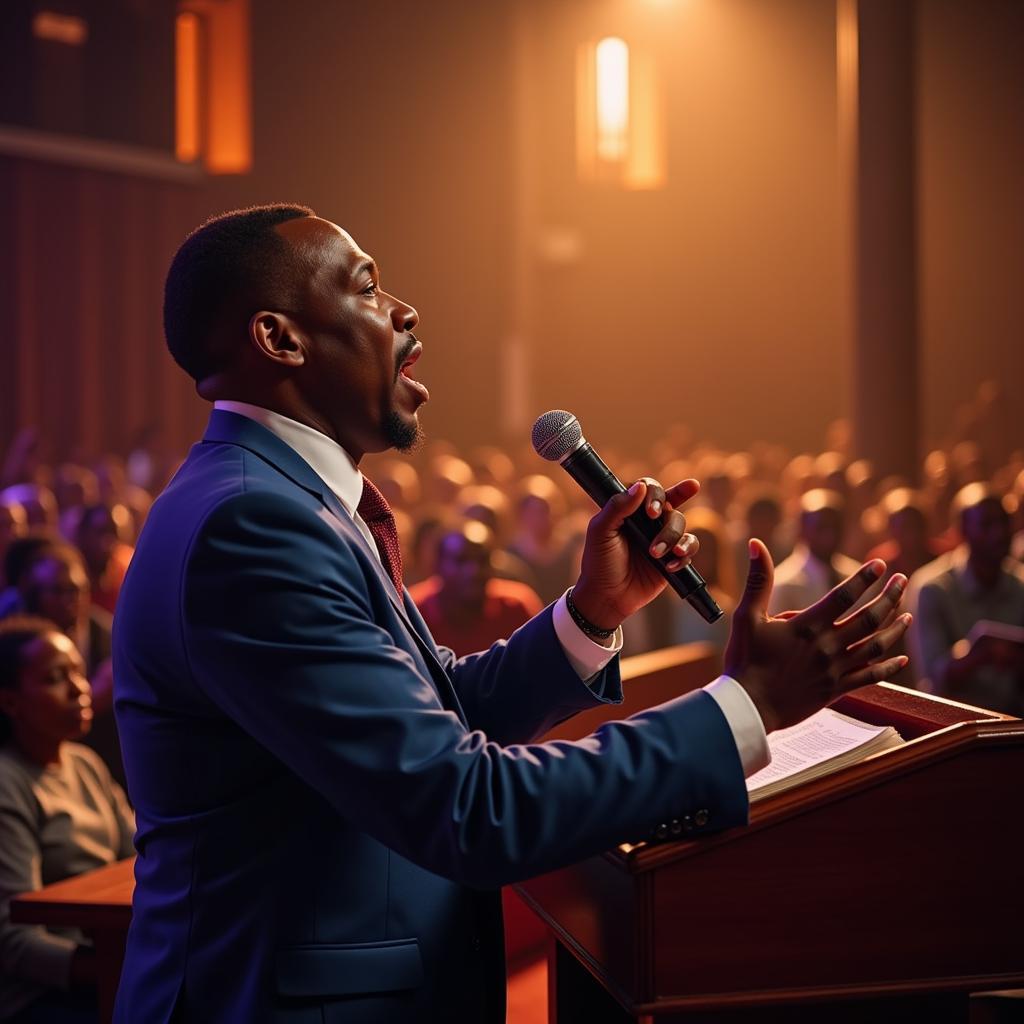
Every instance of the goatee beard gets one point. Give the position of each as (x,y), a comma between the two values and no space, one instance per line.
(401,434)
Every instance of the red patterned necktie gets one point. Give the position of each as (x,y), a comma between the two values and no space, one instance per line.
(377,515)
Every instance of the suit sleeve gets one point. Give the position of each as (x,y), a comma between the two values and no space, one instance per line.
(521,687)
(280,633)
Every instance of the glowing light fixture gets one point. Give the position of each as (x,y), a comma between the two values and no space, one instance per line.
(187,94)
(60,28)
(213,113)
(611,58)
(620,117)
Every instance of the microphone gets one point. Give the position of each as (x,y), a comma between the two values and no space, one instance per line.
(558,437)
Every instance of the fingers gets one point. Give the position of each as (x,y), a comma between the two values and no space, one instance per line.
(683,552)
(616,510)
(874,615)
(876,673)
(655,498)
(873,647)
(671,540)
(682,492)
(760,577)
(671,537)
(843,597)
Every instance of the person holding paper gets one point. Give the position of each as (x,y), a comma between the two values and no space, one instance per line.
(953,596)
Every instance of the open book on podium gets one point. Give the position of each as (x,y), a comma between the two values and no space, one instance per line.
(818,746)
(894,877)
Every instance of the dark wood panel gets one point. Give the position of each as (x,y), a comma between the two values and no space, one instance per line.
(891,882)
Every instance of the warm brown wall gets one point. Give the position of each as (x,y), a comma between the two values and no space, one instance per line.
(392,120)
(710,300)
(399,121)
(971,209)
(715,300)
(81,277)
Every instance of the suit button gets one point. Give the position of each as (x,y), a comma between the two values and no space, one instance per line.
(700,819)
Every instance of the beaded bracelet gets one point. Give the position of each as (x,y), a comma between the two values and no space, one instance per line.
(585,624)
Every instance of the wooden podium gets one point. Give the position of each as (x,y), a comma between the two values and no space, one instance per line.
(887,891)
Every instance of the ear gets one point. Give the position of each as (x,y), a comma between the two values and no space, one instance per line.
(276,337)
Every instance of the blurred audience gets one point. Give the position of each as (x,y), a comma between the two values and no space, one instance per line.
(38,503)
(74,487)
(816,564)
(907,546)
(60,814)
(760,516)
(487,504)
(13,524)
(101,535)
(419,558)
(465,605)
(860,495)
(714,562)
(817,510)
(954,595)
(19,557)
(544,538)
(55,586)
(1017,500)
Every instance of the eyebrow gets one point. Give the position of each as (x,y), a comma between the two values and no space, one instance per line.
(367,265)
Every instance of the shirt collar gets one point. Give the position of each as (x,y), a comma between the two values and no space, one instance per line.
(327,458)
(817,570)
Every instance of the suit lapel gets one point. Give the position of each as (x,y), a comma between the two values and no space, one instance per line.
(231,428)
(424,641)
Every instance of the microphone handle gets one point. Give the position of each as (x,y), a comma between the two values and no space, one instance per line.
(589,470)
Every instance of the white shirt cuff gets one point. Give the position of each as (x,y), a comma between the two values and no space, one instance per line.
(586,655)
(744,721)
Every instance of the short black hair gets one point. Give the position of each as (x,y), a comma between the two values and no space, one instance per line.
(969,497)
(223,272)
(23,552)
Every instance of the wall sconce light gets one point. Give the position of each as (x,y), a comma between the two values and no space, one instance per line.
(620,127)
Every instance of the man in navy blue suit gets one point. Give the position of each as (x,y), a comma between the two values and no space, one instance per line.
(327,802)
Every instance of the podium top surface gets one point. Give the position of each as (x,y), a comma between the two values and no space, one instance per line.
(935,729)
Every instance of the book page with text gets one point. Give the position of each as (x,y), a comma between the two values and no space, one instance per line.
(820,744)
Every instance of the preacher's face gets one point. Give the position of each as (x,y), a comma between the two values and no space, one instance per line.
(358,372)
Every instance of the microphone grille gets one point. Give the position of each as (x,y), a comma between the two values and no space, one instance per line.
(555,434)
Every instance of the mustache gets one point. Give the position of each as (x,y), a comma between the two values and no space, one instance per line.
(405,351)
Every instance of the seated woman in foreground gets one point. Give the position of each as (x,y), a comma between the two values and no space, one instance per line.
(60,815)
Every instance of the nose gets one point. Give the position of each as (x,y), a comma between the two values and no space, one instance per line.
(404,317)
(80,685)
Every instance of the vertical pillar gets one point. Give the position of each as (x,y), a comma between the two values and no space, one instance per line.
(876,112)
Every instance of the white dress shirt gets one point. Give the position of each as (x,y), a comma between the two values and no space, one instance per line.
(802,579)
(338,470)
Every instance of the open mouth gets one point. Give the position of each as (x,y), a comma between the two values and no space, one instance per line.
(406,368)
(405,372)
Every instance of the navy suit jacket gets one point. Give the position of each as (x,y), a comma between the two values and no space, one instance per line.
(327,801)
